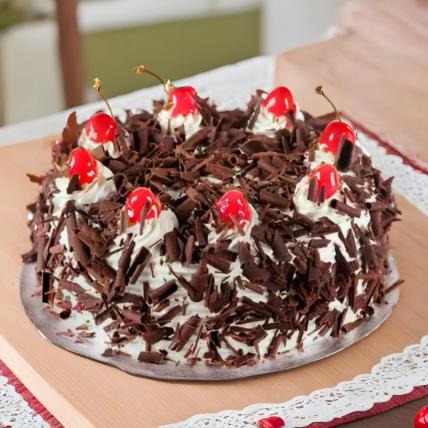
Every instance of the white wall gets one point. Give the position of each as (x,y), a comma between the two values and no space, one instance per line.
(288,24)
(30,72)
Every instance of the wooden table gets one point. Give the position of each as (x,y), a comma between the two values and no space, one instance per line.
(84,393)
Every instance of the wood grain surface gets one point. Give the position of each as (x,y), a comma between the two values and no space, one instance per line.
(369,82)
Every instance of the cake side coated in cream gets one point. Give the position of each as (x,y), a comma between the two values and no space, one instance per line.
(184,285)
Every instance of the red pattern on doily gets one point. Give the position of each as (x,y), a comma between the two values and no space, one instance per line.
(32,401)
(395,401)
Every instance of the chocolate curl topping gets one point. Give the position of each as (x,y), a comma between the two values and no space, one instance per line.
(184,210)
(41,262)
(46,286)
(93,238)
(188,250)
(163,292)
(138,265)
(346,153)
(171,246)
(143,216)
(345,209)
(312,191)
(321,197)
(74,184)
(123,265)
(185,332)
(151,357)
(274,199)
(80,249)
(278,246)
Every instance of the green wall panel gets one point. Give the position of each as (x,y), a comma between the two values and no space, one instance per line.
(173,49)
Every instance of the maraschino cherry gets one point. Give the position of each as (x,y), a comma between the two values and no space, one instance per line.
(137,200)
(83,164)
(336,132)
(234,209)
(181,100)
(421,418)
(327,181)
(280,102)
(271,422)
(101,127)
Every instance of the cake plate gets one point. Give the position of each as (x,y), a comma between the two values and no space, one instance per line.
(52,329)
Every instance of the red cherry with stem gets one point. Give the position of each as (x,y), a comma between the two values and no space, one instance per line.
(421,418)
(101,128)
(271,422)
(82,163)
(327,181)
(280,102)
(234,209)
(137,200)
(183,101)
(335,133)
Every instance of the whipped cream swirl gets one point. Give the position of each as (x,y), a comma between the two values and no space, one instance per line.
(191,122)
(267,123)
(96,191)
(87,140)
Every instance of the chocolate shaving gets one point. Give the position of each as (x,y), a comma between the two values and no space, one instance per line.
(46,286)
(163,292)
(74,184)
(346,152)
(140,262)
(151,357)
(184,333)
(274,199)
(120,281)
(80,249)
(345,209)
(171,246)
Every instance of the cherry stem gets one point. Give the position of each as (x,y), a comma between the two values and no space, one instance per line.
(167,85)
(97,86)
(320,91)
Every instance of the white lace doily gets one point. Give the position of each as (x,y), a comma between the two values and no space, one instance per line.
(398,374)
(408,182)
(15,411)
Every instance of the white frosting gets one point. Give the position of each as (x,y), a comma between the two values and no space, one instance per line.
(88,142)
(96,191)
(267,123)
(322,156)
(191,122)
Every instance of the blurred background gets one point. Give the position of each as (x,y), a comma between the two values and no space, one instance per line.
(50,51)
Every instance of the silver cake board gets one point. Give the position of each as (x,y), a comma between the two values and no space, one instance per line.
(50,328)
